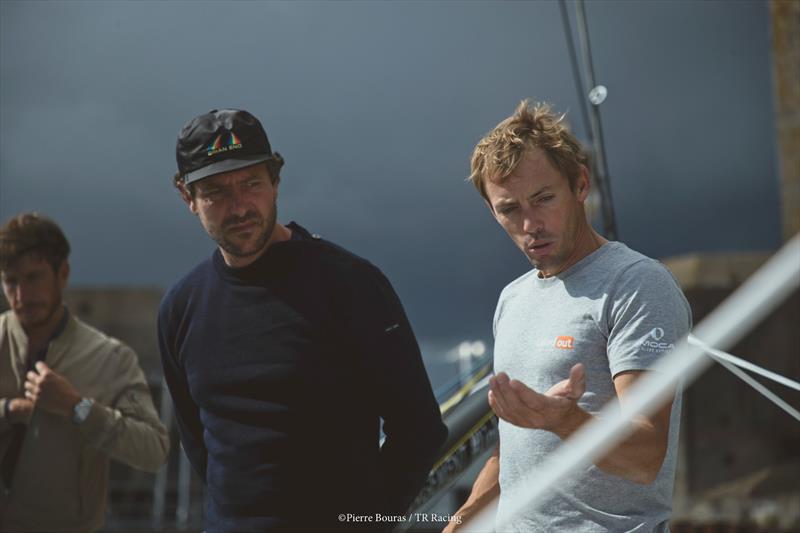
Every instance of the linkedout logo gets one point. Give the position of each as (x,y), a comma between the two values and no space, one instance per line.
(653,342)
(565,342)
(234,143)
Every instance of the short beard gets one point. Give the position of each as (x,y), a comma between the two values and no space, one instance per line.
(238,251)
(51,312)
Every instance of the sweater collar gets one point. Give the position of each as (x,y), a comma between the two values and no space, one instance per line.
(245,273)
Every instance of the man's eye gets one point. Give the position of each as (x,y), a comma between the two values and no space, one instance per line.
(506,210)
(255,183)
(546,198)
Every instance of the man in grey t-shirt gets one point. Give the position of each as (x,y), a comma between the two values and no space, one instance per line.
(572,335)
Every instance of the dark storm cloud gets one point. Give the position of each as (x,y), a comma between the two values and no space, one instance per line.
(376,107)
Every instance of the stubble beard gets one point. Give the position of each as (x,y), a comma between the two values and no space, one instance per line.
(553,260)
(550,263)
(566,246)
(34,322)
(237,250)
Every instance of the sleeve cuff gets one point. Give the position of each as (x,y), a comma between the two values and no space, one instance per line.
(5,423)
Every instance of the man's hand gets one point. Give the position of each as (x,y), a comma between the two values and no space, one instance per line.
(19,410)
(556,410)
(637,458)
(50,391)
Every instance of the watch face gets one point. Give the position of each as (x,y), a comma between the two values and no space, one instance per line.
(82,409)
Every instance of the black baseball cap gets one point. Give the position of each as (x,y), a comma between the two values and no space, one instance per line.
(219,141)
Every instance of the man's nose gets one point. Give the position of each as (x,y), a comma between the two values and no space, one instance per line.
(239,201)
(21,292)
(531,223)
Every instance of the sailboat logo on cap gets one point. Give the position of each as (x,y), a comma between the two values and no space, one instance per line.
(234,143)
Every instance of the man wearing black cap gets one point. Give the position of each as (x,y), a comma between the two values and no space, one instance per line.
(283,352)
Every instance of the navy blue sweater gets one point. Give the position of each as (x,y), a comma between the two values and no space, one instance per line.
(280,372)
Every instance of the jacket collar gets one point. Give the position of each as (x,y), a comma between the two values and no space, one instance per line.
(55,346)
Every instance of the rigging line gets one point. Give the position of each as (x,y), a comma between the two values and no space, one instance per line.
(768,394)
(609,217)
(576,73)
(747,365)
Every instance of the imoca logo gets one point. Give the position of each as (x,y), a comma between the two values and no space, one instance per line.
(653,342)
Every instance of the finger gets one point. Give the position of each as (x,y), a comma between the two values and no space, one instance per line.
(32,376)
(496,407)
(513,400)
(498,378)
(577,381)
(42,367)
(532,399)
(500,398)
(495,404)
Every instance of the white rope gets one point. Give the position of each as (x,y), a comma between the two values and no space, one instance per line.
(721,356)
(731,320)
(744,376)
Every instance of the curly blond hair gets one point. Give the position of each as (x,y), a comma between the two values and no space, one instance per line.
(500,152)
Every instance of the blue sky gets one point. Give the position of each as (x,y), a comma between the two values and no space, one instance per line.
(376,107)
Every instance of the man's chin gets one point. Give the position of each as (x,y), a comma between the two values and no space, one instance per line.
(538,264)
(243,251)
(33,319)
(244,248)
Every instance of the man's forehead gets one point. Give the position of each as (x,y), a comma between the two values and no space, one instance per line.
(26,263)
(499,189)
(534,171)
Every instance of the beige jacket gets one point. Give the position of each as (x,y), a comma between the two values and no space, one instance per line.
(61,478)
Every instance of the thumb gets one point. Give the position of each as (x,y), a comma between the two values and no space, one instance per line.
(577,381)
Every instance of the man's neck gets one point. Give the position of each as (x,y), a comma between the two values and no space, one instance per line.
(39,336)
(588,242)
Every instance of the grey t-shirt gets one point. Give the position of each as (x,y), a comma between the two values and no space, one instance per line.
(615,310)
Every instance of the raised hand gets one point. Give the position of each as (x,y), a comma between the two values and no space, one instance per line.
(50,391)
(556,410)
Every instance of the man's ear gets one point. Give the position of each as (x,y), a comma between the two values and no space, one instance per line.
(582,184)
(186,196)
(63,274)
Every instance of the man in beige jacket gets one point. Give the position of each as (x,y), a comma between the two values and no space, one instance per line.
(71,398)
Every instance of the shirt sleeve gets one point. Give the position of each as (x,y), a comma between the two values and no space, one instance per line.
(129,429)
(412,420)
(187,414)
(648,316)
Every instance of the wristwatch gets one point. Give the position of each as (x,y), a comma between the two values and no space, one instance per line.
(81,410)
